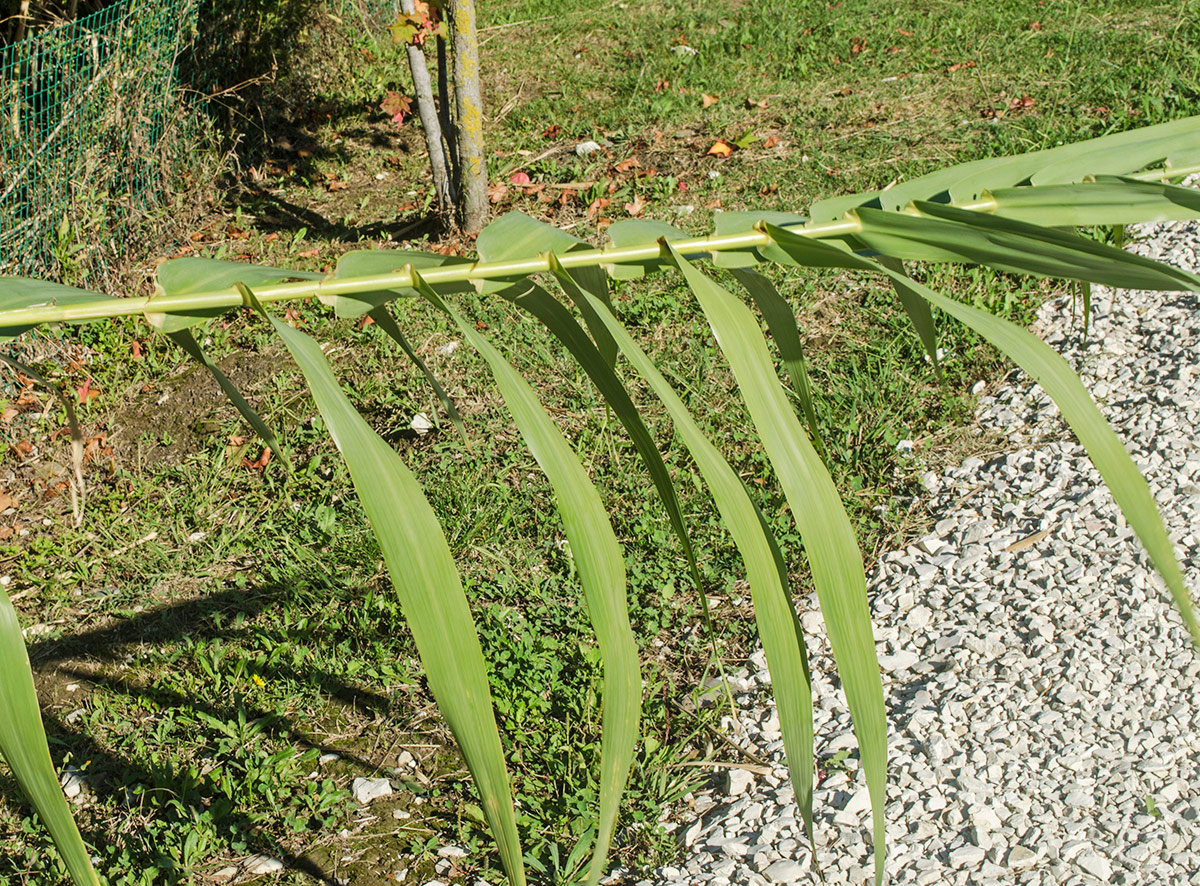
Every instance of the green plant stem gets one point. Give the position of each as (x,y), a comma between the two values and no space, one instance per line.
(402,278)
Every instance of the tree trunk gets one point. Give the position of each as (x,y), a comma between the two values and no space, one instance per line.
(428,113)
(460,15)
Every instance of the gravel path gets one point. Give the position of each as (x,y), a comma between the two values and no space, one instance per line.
(1041,689)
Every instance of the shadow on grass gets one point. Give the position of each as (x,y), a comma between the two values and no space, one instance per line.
(178,794)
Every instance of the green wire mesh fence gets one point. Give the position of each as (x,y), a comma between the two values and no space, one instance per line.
(84,110)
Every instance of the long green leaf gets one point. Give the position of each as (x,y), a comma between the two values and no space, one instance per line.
(1052,372)
(428,585)
(775,616)
(379,262)
(1117,154)
(782,323)
(601,568)
(187,341)
(1109,200)
(23,745)
(825,529)
(182,276)
(25,292)
(556,318)
(945,233)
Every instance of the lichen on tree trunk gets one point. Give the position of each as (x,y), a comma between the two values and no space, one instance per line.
(460,15)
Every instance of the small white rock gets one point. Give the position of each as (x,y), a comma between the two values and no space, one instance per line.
(367,789)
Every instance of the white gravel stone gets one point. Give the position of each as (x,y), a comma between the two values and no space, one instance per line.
(367,789)
(258,865)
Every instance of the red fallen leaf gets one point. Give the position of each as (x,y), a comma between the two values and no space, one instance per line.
(683,186)
(135,349)
(261,462)
(309,253)
(272,237)
(772,141)
(520,178)
(1100,110)
(858,45)
(480,326)
(365,321)
(598,204)
(720,148)
(637,207)
(708,100)
(86,392)
(1035,26)
(1020,104)
(552,131)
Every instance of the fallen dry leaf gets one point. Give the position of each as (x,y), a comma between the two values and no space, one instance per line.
(772,141)
(86,392)
(520,178)
(708,100)
(721,148)
(338,185)
(261,462)
(24,449)
(597,205)
(637,207)
(959,67)
(627,164)
(309,253)
(497,191)
(6,501)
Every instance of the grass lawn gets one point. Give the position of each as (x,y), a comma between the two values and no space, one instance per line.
(217,648)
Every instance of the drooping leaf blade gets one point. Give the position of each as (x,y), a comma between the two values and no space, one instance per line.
(23,746)
(562,325)
(782,323)
(778,628)
(601,568)
(1052,372)
(825,528)
(431,595)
